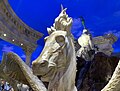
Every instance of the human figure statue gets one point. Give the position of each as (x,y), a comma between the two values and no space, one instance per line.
(86,52)
(87,46)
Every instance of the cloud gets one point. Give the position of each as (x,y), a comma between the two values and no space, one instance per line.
(117,43)
(79,33)
(76,24)
(76,27)
(23,56)
(7,48)
(0,58)
(117,13)
(92,32)
(115,32)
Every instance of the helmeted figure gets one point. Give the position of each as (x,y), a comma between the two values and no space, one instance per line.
(87,53)
(87,47)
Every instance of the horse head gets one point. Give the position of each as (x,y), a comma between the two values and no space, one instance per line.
(53,56)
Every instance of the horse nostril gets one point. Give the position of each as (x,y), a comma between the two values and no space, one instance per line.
(35,65)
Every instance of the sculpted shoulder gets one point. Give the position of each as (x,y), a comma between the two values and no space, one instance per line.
(83,40)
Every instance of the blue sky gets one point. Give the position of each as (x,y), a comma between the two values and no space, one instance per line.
(101,17)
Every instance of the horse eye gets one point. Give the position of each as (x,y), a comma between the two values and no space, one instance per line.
(43,64)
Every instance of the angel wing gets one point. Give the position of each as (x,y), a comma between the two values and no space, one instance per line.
(14,68)
(114,82)
(12,82)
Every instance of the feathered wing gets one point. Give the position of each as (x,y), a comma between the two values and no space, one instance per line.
(4,76)
(114,83)
(14,68)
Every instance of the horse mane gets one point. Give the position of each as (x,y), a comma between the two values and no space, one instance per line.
(66,79)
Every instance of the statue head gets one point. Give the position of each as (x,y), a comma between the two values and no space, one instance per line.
(53,56)
(86,31)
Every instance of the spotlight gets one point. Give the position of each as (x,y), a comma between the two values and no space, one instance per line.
(21,44)
(4,34)
(13,40)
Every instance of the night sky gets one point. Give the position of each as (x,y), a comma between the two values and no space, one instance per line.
(101,17)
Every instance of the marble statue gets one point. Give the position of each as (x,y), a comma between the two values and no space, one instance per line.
(86,52)
(56,64)
(104,45)
(86,43)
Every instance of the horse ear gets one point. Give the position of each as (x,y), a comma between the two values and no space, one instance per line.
(60,40)
(62,8)
(46,38)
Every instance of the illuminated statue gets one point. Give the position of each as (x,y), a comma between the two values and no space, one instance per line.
(85,41)
(87,52)
(56,64)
